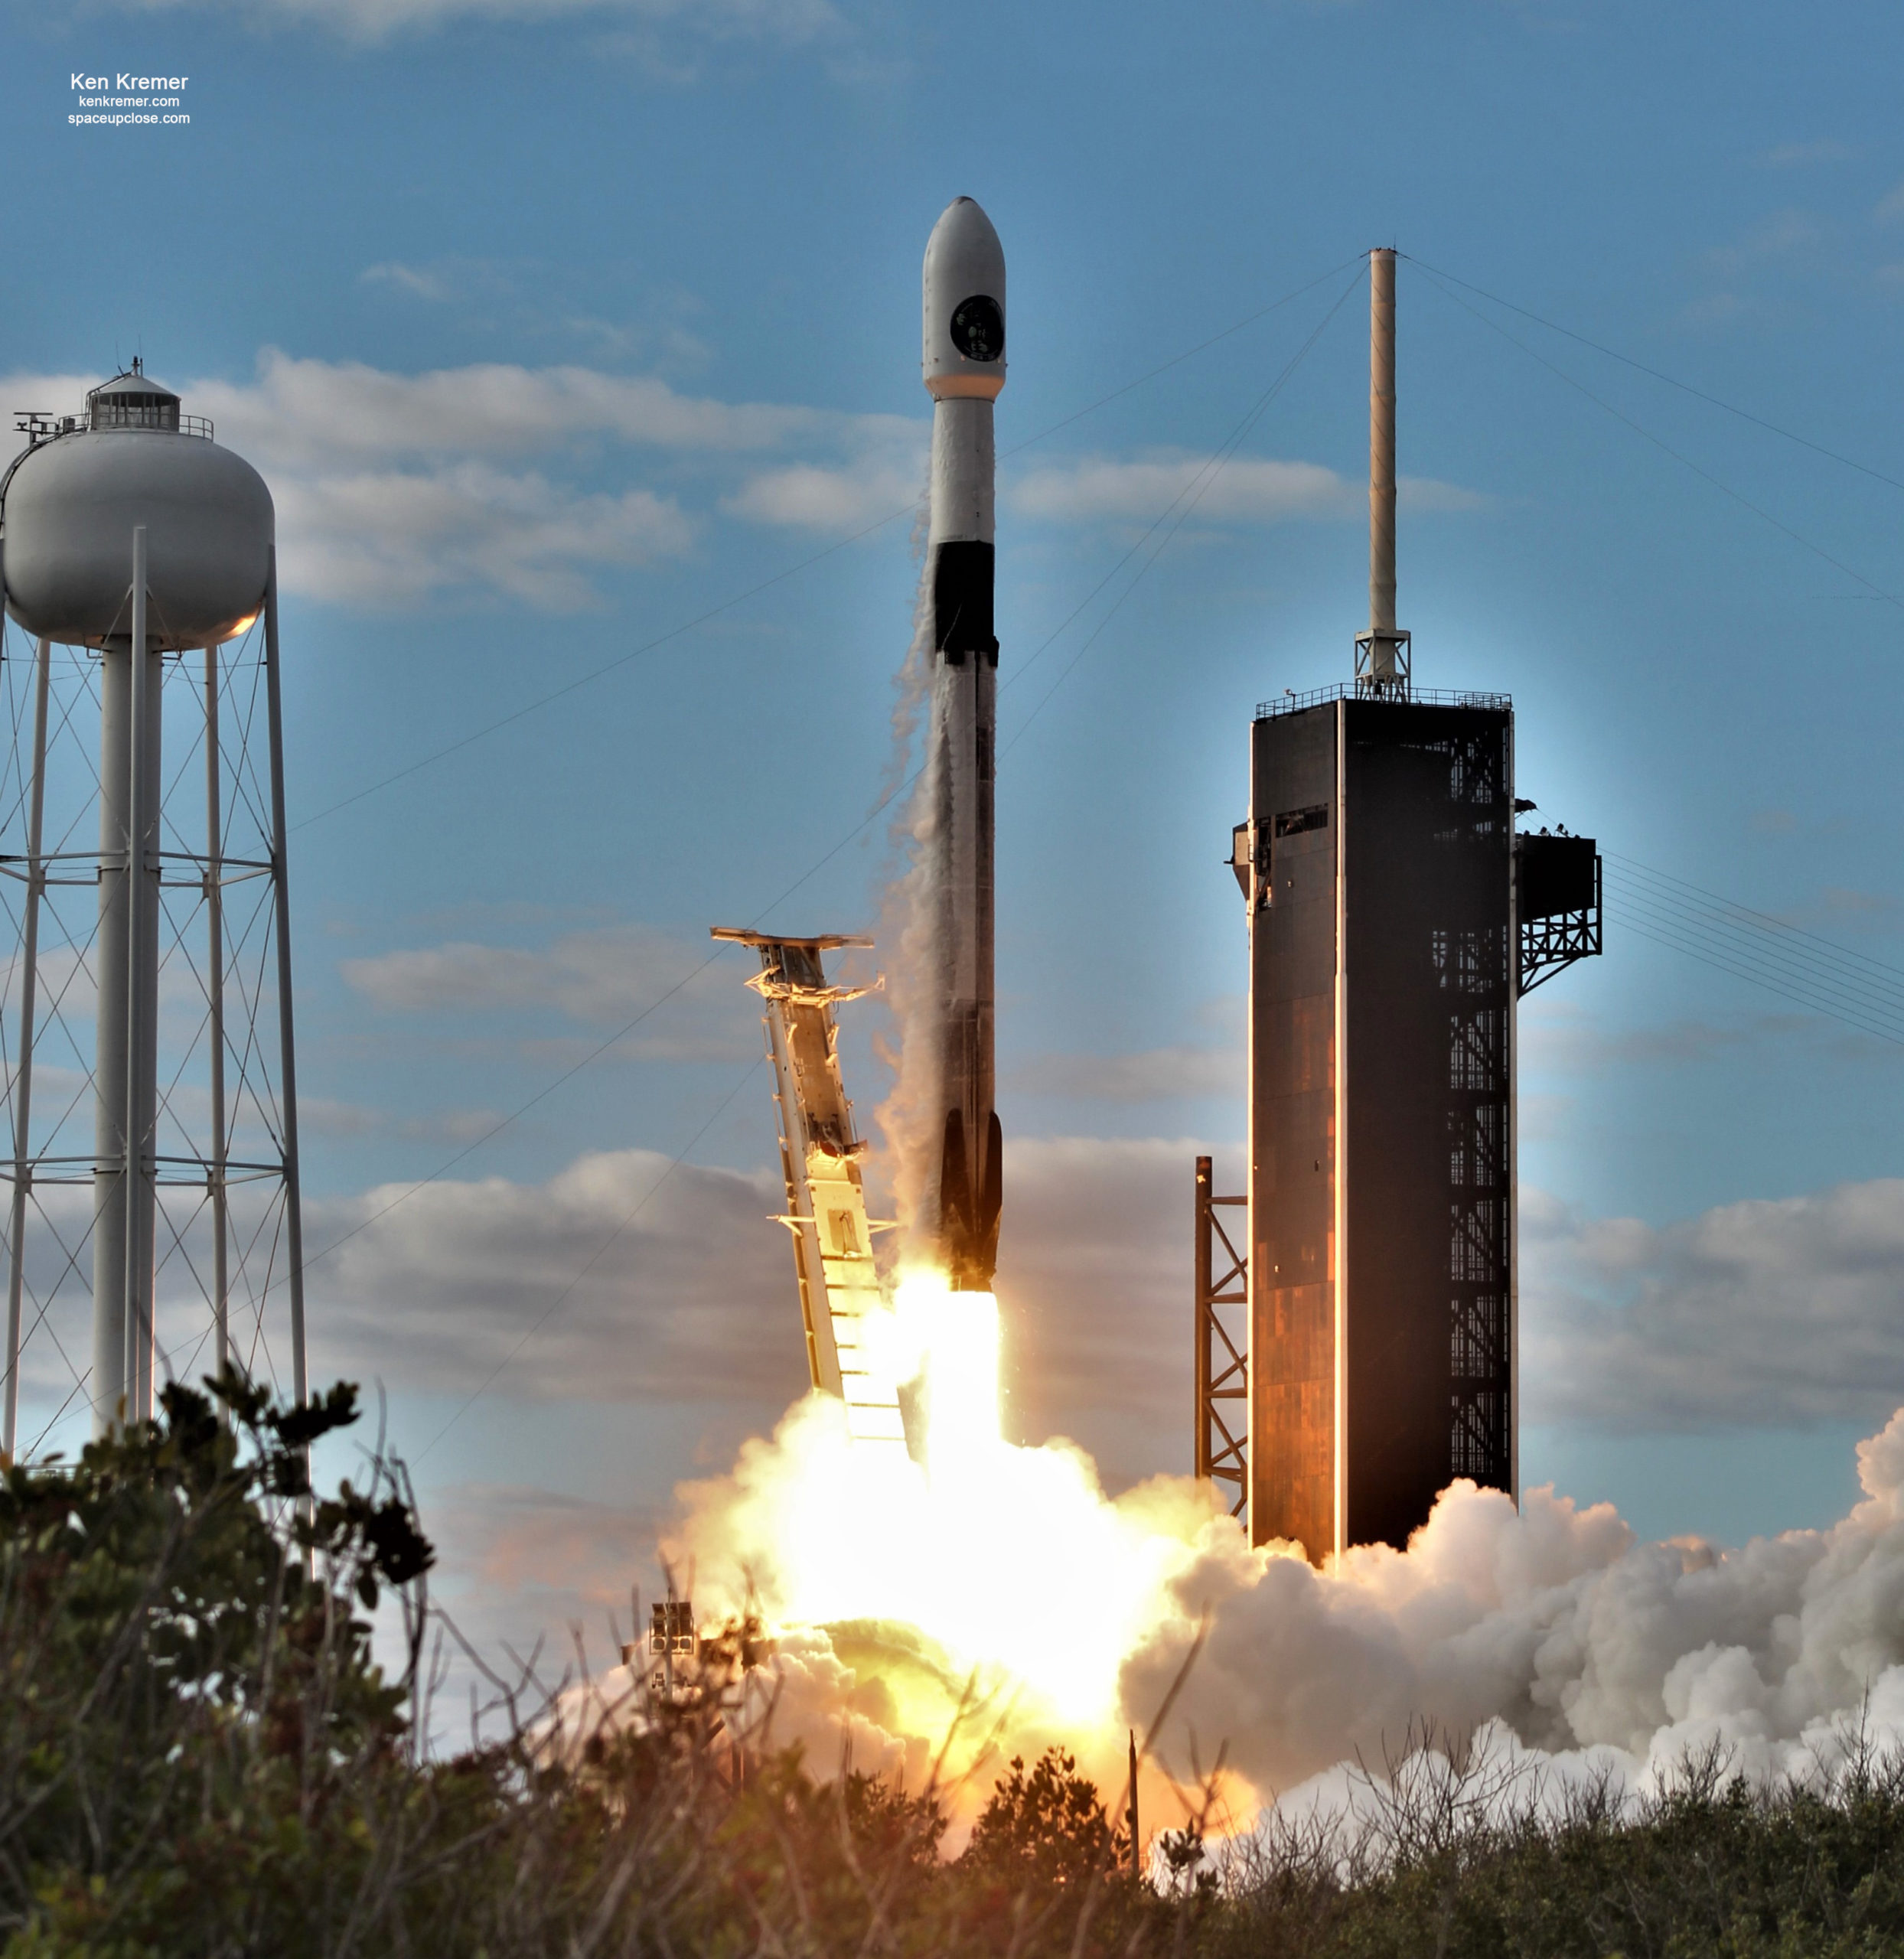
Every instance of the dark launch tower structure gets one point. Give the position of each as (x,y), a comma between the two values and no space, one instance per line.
(1395,920)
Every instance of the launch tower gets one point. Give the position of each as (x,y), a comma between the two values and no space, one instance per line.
(1394,919)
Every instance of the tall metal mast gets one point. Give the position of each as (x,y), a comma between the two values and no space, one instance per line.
(1382,653)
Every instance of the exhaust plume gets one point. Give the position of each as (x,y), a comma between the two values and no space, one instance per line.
(1007,1570)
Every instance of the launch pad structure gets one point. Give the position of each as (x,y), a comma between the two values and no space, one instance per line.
(1221,1429)
(1395,918)
(820,1160)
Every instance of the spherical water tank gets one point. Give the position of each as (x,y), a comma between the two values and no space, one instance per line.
(68,510)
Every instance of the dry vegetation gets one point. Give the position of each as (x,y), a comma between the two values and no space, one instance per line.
(198,1756)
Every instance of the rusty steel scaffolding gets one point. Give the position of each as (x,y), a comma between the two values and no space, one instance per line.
(1223,1365)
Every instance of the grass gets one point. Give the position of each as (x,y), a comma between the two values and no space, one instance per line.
(199,1755)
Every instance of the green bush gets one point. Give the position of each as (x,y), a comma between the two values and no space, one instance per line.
(199,1756)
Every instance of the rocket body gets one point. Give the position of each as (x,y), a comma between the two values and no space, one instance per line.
(964,370)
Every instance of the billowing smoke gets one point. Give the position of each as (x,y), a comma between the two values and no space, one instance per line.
(1078,1613)
(908,939)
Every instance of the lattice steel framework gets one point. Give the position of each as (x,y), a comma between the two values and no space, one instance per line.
(1559,914)
(218,1159)
(1472,971)
(1221,1428)
(1473,968)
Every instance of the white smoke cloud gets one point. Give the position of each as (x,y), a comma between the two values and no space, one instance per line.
(907,1121)
(1591,1649)
(1555,1621)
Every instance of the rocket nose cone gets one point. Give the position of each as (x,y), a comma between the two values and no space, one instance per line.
(964,296)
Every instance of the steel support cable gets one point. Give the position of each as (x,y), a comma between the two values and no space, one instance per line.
(1702,944)
(1201,483)
(1825,976)
(1869,979)
(859,828)
(77,1389)
(1659,374)
(1830,946)
(1757,979)
(1816,985)
(1691,936)
(1198,485)
(1659,442)
(1756,942)
(790,571)
(630,1218)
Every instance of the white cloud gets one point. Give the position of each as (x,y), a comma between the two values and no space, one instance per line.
(884,474)
(1771,1312)
(419,281)
(599,978)
(396,537)
(782,21)
(305,413)
(1826,149)
(1558,1037)
(1766,1313)
(629,1281)
(696,1300)
(1246,490)
(1094,1281)
(393,489)
(1779,237)
(1154,1074)
(321,1115)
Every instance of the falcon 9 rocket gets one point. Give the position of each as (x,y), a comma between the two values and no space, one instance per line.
(964,370)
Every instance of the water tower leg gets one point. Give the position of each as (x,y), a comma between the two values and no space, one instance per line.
(288,1086)
(125,1084)
(142,1002)
(23,1087)
(215,997)
(113,970)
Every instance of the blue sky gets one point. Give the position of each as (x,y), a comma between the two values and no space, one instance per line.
(558,327)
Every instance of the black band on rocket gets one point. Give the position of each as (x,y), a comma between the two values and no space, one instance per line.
(962,573)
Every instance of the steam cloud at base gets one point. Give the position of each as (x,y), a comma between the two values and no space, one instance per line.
(1595,1651)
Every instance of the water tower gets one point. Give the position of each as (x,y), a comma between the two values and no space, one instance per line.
(149,1100)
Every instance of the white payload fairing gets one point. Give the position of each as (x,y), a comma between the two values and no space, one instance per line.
(964,371)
